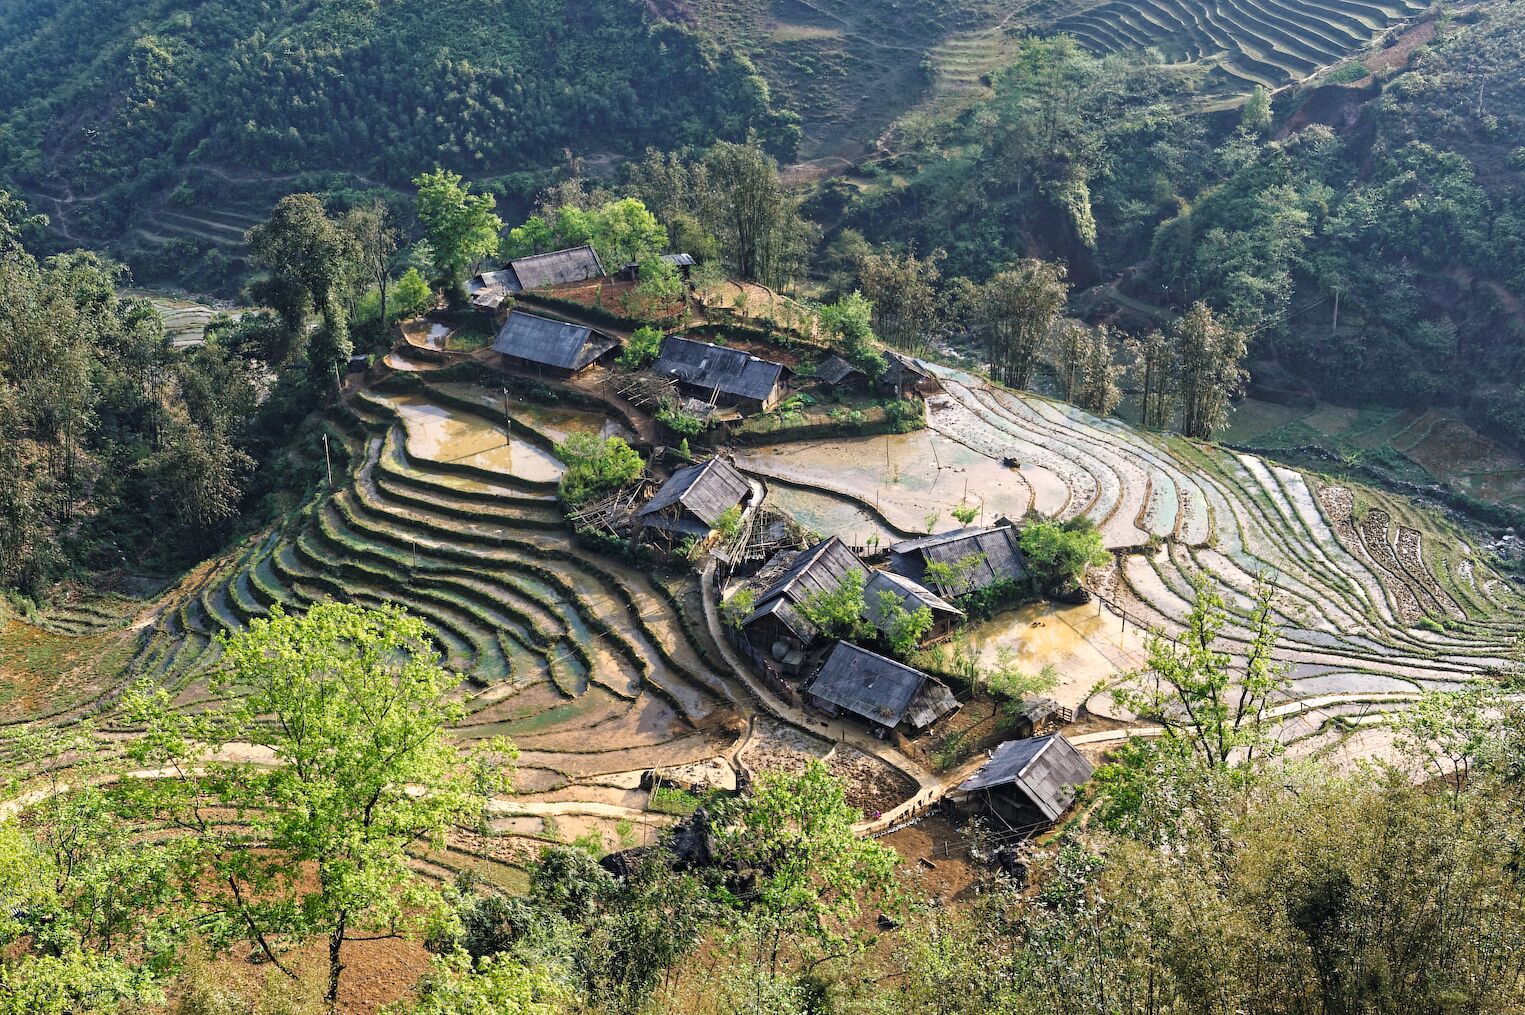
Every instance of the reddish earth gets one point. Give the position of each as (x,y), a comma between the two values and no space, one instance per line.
(1397,55)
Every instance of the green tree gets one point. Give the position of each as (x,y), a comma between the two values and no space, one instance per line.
(1098,392)
(596,466)
(1058,553)
(1015,311)
(373,233)
(641,349)
(814,873)
(850,321)
(760,230)
(1190,687)
(956,577)
(838,612)
(1155,372)
(460,226)
(1255,115)
(1209,354)
(307,261)
(352,712)
(497,984)
(903,629)
(902,288)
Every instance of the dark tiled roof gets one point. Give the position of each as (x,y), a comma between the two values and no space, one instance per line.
(679,260)
(575,264)
(835,370)
(554,343)
(820,568)
(1045,769)
(912,597)
(898,364)
(876,688)
(706,491)
(999,545)
(714,367)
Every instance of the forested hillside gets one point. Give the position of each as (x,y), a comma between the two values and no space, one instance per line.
(122,120)
(1396,187)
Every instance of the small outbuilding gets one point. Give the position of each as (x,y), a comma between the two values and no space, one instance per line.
(840,377)
(491,290)
(907,377)
(945,616)
(1027,784)
(720,375)
(775,617)
(694,499)
(554,347)
(984,556)
(887,694)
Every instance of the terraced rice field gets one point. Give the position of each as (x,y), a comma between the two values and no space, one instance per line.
(1361,578)
(1250,42)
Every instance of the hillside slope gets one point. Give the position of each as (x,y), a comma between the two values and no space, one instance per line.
(158,111)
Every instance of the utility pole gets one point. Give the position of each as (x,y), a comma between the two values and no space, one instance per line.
(1335,324)
(328,464)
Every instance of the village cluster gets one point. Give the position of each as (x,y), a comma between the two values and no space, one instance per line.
(760,556)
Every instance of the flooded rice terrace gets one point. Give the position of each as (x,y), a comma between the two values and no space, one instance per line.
(1084,645)
(439,434)
(904,477)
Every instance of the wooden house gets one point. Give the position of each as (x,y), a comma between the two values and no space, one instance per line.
(720,375)
(694,499)
(552,347)
(491,290)
(884,693)
(1027,784)
(994,554)
(945,616)
(906,377)
(775,618)
(840,377)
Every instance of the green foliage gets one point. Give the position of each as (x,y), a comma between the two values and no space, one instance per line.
(456,985)
(356,710)
(850,319)
(838,612)
(903,629)
(965,514)
(1191,689)
(954,578)
(814,872)
(1349,74)
(906,415)
(1255,115)
(461,227)
(642,348)
(672,800)
(729,522)
(621,231)
(596,466)
(685,423)
(1058,553)
(739,607)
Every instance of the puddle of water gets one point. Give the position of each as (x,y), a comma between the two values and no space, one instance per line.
(1084,647)
(437,433)
(555,422)
(427,335)
(402,361)
(907,476)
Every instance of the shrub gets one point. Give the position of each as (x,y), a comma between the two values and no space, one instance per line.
(906,414)
(685,423)
(596,466)
(739,607)
(1059,553)
(642,348)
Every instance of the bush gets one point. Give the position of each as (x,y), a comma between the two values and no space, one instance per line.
(642,348)
(1059,553)
(596,466)
(685,423)
(906,414)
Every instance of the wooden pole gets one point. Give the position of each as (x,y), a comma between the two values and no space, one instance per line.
(328,464)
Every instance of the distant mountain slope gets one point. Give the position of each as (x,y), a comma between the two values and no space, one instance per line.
(108,106)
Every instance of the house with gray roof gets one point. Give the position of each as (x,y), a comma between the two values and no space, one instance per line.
(1026,784)
(984,556)
(879,690)
(840,376)
(721,375)
(549,346)
(776,618)
(694,499)
(557,267)
(912,597)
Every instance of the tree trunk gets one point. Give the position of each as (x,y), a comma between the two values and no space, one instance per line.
(335,963)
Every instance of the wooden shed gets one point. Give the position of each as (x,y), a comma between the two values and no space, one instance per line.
(553,347)
(721,375)
(775,617)
(881,691)
(841,377)
(1026,784)
(997,547)
(694,499)
(907,377)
